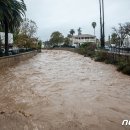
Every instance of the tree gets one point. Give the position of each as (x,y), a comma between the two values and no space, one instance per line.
(66,41)
(72,32)
(4,16)
(114,39)
(11,12)
(127,28)
(24,36)
(69,36)
(56,38)
(122,31)
(94,25)
(24,41)
(79,31)
(28,27)
(39,45)
(47,44)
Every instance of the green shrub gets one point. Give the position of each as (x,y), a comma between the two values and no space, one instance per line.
(124,67)
(126,70)
(87,49)
(121,65)
(100,56)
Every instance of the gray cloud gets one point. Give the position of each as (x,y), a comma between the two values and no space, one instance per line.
(62,15)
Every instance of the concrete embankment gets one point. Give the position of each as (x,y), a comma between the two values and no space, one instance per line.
(14,59)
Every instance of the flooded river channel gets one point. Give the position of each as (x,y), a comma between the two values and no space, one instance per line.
(61,90)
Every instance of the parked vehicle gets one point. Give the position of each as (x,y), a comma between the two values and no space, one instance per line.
(107,48)
(21,50)
(13,51)
(2,52)
(10,52)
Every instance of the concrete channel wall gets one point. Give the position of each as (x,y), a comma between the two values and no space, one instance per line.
(7,61)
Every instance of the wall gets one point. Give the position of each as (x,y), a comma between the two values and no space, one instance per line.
(114,57)
(14,59)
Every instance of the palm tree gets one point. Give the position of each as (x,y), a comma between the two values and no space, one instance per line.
(72,32)
(4,16)
(11,13)
(0,45)
(94,25)
(79,31)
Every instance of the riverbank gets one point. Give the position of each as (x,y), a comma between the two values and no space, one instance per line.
(121,61)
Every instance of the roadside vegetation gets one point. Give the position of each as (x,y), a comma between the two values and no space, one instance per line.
(25,35)
(87,49)
(12,13)
(121,62)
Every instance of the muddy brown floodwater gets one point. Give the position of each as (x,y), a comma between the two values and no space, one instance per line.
(61,90)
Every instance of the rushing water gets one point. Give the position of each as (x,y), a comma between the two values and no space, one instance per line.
(61,90)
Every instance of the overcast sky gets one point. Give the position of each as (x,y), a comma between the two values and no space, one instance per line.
(62,15)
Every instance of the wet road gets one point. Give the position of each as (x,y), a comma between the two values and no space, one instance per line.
(60,90)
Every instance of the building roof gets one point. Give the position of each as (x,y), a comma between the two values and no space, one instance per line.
(84,35)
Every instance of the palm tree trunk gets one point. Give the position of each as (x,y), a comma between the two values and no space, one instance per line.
(94,31)
(6,37)
(0,42)
(0,46)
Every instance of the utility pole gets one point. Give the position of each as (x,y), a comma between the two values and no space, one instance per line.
(102,24)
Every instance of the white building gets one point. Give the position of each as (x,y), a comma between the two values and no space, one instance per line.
(2,36)
(126,42)
(78,40)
